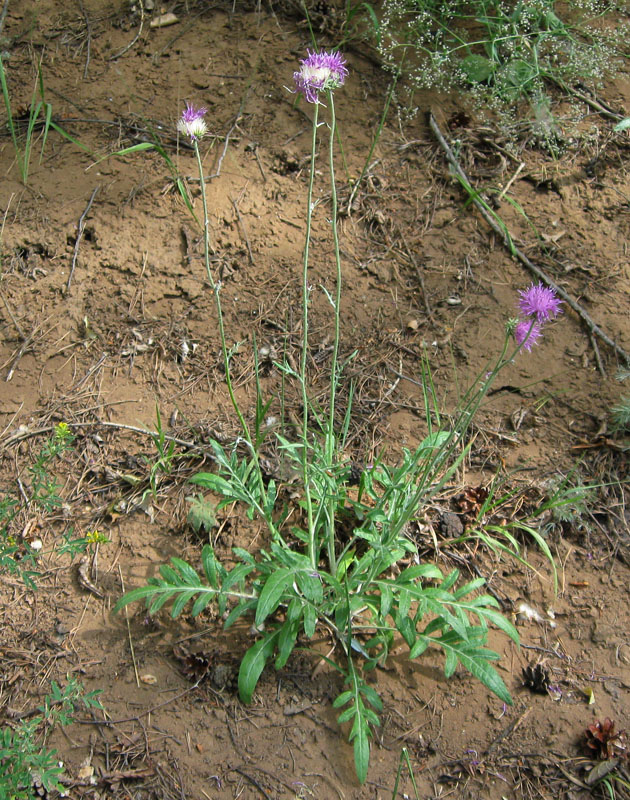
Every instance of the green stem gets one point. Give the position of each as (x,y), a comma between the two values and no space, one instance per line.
(334,370)
(471,402)
(313,554)
(216,289)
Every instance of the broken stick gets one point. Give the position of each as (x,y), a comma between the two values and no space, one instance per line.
(77,244)
(507,241)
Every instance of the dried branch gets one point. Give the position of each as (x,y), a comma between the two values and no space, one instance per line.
(542,276)
(81,228)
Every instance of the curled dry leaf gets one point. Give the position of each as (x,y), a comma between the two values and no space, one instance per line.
(83,575)
(603,741)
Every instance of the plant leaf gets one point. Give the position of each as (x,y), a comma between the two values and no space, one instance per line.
(360,735)
(201,602)
(343,698)
(209,562)
(501,622)
(310,621)
(271,594)
(475,662)
(181,601)
(451,663)
(477,68)
(253,664)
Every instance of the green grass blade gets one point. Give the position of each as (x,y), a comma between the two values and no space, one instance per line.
(69,137)
(47,122)
(10,122)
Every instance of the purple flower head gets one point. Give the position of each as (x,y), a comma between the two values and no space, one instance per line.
(540,302)
(527,333)
(320,71)
(191,122)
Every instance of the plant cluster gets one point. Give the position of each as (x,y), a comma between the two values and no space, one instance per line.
(500,51)
(343,559)
(39,498)
(25,760)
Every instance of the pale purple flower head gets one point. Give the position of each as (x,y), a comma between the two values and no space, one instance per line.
(540,302)
(191,122)
(320,71)
(527,332)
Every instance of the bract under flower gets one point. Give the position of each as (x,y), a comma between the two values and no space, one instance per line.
(320,71)
(191,122)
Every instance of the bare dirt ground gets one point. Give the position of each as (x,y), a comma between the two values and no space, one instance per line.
(99,329)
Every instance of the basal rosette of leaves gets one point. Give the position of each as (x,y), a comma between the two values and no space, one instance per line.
(368,602)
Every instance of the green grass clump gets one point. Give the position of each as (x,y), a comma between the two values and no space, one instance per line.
(40,121)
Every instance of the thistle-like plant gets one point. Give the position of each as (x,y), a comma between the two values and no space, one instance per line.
(347,561)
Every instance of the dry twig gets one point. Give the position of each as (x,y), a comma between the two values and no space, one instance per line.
(135,38)
(77,244)
(88,48)
(3,14)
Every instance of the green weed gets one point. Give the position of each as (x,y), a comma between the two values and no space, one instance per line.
(506,538)
(25,760)
(404,760)
(163,464)
(40,496)
(621,412)
(498,52)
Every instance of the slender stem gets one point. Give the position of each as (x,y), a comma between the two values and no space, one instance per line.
(312,544)
(471,402)
(377,136)
(330,433)
(330,439)
(216,291)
